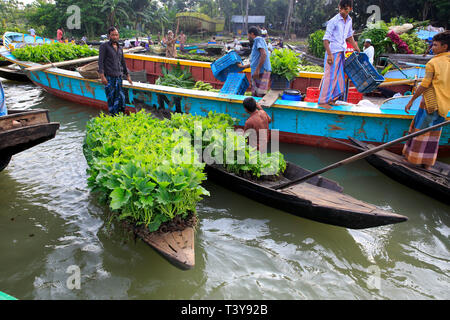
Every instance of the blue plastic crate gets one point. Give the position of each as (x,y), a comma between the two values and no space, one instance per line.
(236,83)
(225,65)
(362,73)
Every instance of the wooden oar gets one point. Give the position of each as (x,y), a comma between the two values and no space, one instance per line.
(406,164)
(360,156)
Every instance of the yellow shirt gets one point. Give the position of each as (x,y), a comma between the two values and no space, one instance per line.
(437,76)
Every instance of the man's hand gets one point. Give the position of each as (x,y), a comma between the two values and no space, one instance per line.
(330,59)
(103,79)
(129,79)
(408,106)
(256,75)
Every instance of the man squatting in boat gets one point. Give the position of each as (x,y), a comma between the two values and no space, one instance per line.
(111,68)
(259,63)
(339,32)
(434,107)
(257,125)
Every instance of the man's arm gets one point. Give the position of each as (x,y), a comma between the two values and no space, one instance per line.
(258,106)
(426,83)
(262,59)
(330,59)
(352,41)
(101,64)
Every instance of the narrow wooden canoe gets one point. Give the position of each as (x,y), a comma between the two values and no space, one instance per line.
(23,129)
(177,246)
(434,182)
(317,199)
(13,74)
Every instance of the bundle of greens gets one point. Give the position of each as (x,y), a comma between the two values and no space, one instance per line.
(149,171)
(54,52)
(196,57)
(285,63)
(176,77)
(310,68)
(415,44)
(204,86)
(131,163)
(315,44)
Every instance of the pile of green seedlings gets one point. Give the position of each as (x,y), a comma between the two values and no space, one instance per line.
(53,52)
(150,171)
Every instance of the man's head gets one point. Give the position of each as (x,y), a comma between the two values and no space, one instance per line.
(441,42)
(250,105)
(345,7)
(113,34)
(253,32)
(367,43)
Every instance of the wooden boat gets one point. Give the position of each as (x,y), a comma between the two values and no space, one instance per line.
(13,73)
(434,182)
(177,247)
(317,199)
(298,122)
(23,129)
(4,63)
(15,39)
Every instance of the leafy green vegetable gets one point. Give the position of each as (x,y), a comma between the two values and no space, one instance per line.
(315,43)
(285,63)
(176,77)
(55,52)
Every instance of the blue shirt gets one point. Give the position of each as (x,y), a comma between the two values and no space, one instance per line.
(255,56)
(3,110)
(338,30)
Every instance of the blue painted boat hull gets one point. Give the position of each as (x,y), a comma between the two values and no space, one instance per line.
(298,122)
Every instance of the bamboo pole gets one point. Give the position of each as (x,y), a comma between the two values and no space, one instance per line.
(71,62)
(396,83)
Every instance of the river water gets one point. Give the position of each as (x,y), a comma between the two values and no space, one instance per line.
(49,221)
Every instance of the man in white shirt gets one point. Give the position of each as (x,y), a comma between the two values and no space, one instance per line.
(127,44)
(369,50)
(32,32)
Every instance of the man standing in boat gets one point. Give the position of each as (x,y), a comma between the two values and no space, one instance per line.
(257,125)
(339,32)
(259,63)
(111,67)
(435,105)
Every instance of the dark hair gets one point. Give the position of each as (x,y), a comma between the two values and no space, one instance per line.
(250,104)
(111,29)
(346,3)
(254,30)
(443,38)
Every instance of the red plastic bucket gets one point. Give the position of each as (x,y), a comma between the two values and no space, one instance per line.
(312,94)
(354,96)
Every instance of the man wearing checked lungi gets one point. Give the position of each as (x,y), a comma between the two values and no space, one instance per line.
(111,67)
(434,107)
(259,63)
(339,32)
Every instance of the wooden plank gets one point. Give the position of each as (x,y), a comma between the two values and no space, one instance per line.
(71,62)
(270,98)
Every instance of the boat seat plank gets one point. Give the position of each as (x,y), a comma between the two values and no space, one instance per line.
(328,198)
(270,98)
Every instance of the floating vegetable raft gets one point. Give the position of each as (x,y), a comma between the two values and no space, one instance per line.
(149,172)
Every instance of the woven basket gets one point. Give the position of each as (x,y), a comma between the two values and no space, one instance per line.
(89,71)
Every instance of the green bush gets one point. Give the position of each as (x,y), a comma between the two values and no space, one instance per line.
(315,44)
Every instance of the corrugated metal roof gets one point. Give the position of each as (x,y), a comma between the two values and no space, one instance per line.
(251,19)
